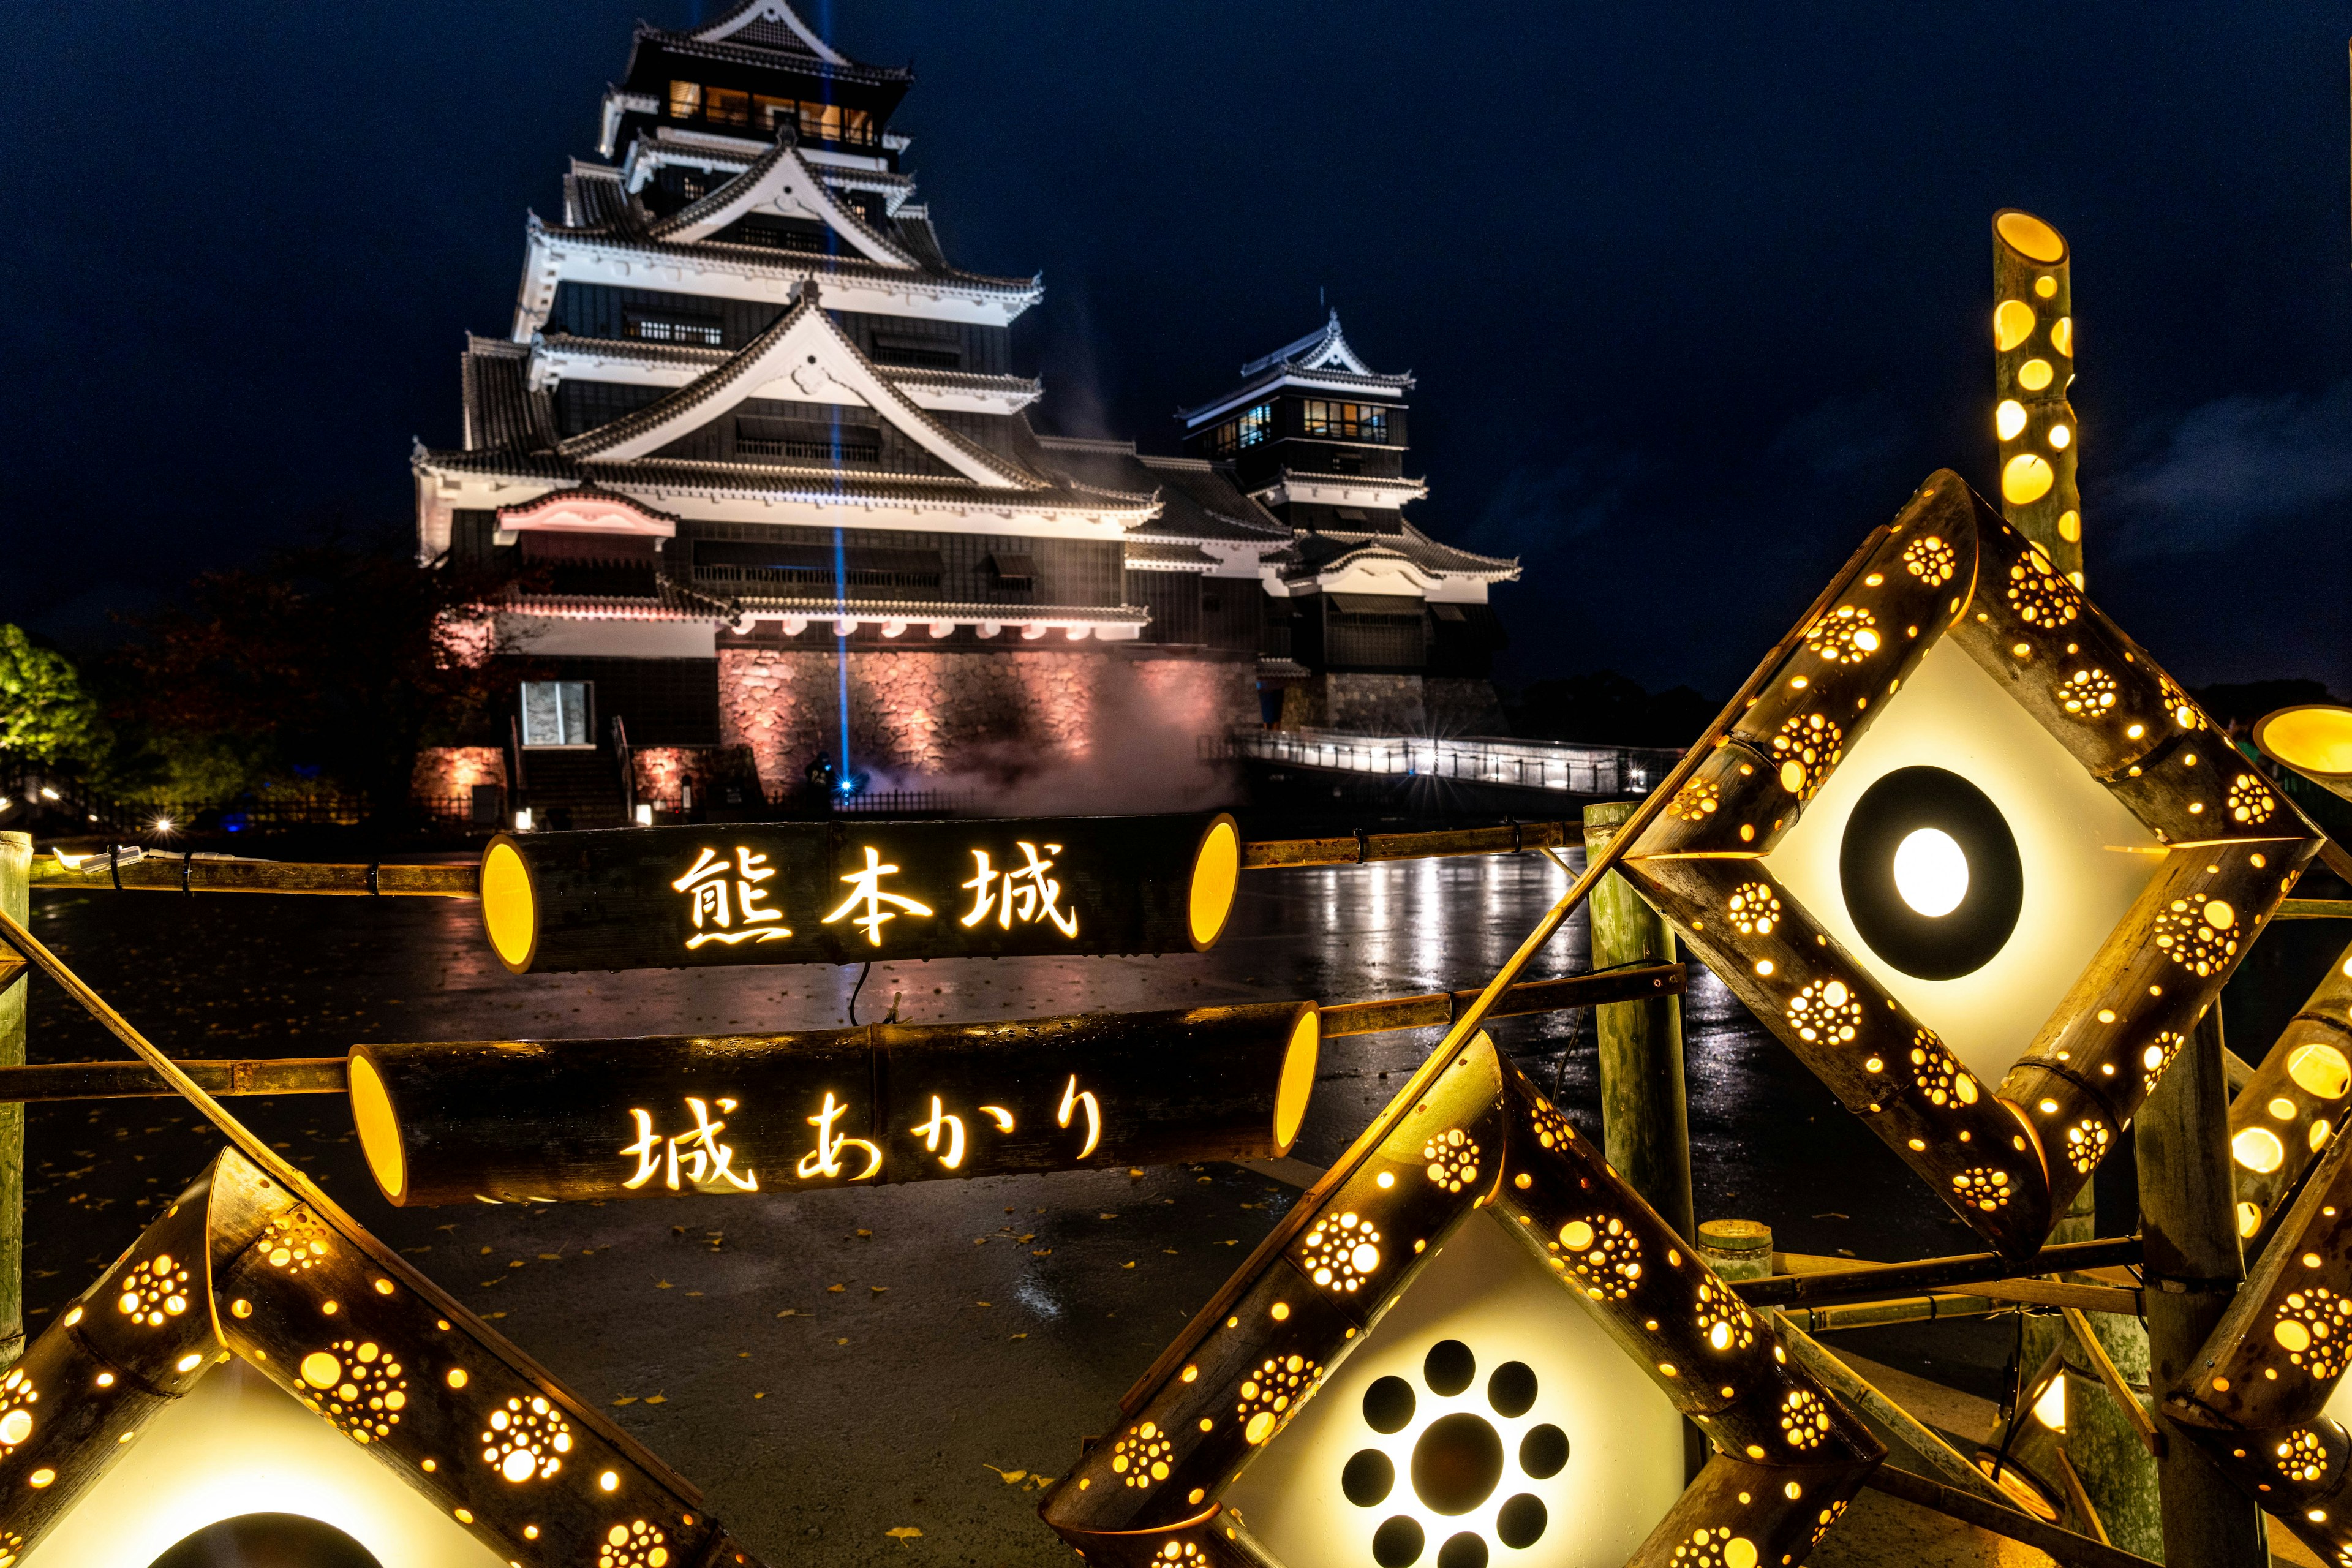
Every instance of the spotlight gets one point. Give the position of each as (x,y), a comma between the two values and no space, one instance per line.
(49,793)
(522,820)
(645,813)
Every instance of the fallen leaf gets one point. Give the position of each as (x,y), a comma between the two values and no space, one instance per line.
(493,1314)
(627,1399)
(836,1288)
(980,1241)
(694,1292)
(1106,1217)
(758,1396)
(867,1235)
(903,1533)
(515,1264)
(1127,1266)
(789,1313)
(1136,1171)
(656,1399)
(1008,1476)
(1042,1252)
(485,1252)
(1017,1336)
(983,1303)
(664,1285)
(1031,1236)
(551,1256)
(841,1342)
(1168,1250)
(878,1289)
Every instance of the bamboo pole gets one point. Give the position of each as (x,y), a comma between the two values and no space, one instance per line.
(2062,1546)
(1880,1280)
(2194,1267)
(161,871)
(1859,1391)
(16,865)
(2095,1353)
(2033,363)
(1643,1115)
(1364,849)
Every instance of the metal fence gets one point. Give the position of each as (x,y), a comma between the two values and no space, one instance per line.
(1511,764)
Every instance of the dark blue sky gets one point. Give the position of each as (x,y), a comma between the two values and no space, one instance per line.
(1696,295)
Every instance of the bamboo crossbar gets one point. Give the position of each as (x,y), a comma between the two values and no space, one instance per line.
(325,1074)
(167,872)
(2062,1545)
(2314,909)
(1989,1270)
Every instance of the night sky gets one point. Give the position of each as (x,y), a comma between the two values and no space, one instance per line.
(1696,295)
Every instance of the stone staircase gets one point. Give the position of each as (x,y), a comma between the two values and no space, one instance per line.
(573,790)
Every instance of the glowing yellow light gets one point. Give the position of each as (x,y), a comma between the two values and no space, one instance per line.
(1281,1311)
(2051,1408)
(2012,323)
(2059,438)
(1931,872)
(508,914)
(41,1478)
(2045,286)
(2026,477)
(2321,1070)
(2290,1335)
(105,1380)
(1216,874)
(189,1363)
(2312,740)
(2250,1219)
(1385,1179)
(2034,375)
(456,1377)
(2061,335)
(1296,1085)
(2318,1138)
(2258,1148)
(2009,419)
(16,1427)
(321,1370)
(2070,529)
(379,1127)
(1739,1553)
(2031,238)
(73,1317)
(608,1483)
(2283,1109)
(1576,1236)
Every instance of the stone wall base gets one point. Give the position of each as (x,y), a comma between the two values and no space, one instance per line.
(443,773)
(928,720)
(1394,705)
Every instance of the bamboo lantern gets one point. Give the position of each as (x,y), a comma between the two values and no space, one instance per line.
(1471,1134)
(847,893)
(2292,1106)
(545,1122)
(2033,366)
(2315,739)
(238,1266)
(1842,862)
(2254,1396)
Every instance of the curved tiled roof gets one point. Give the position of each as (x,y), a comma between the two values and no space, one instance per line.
(687,354)
(687,44)
(1320,553)
(760,260)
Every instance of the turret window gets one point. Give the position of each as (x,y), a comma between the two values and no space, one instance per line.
(670,327)
(1346,421)
(730,106)
(1247,428)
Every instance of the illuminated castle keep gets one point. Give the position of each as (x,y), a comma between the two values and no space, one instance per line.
(758,457)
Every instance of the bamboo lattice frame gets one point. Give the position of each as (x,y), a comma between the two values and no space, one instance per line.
(1950,567)
(1789,1454)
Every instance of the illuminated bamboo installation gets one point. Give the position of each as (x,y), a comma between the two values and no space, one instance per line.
(15,858)
(1788,1454)
(2315,739)
(2229,849)
(837,892)
(552,1121)
(165,872)
(2292,1106)
(239,1266)
(2034,365)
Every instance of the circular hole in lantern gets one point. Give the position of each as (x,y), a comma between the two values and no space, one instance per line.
(2029,236)
(1931,873)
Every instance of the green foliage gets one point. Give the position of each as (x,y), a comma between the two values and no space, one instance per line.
(46,713)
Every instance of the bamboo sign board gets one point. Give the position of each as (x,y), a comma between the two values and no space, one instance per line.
(838,892)
(546,1122)
(1971,834)
(1156,1489)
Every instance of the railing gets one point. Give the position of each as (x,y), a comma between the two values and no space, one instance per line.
(812,577)
(873,803)
(812,451)
(1515,765)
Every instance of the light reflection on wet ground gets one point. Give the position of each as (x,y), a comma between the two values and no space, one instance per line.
(832,1366)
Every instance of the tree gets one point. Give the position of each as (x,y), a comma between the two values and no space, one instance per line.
(332,661)
(45,712)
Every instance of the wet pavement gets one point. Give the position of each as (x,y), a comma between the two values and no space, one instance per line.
(836,1366)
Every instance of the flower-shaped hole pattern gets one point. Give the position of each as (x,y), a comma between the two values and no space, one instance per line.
(1551,1127)
(2158,1057)
(2086,1145)
(1804,1418)
(526,1439)
(2250,802)
(1826,1518)
(1754,909)
(2088,695)
(1342,1251)
(1140,1458)
(1179,1551)
(18,1397)
(1930,560)
(1827,1011)
(1847,635)
(1695,801)
(1270,1394)
(1939,1073)
(2314,1326)
(1806,748)
(1452,1159)
(1451,1456)
(154,1292)
(12,1546)
(2182,711)
(1715,1547)
(2039,596)
(2302,1458)
(361,1388)
(1983,1186)
(294,1241)
(636,1544)
(1724,1318)
(1604,1253)
(2198,936)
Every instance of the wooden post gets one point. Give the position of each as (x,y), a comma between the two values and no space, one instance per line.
(1642,1113)
(16,880)
(2193,1268)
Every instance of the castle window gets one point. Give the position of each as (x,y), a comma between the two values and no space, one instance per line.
(1346,421)
(670,327)
(685,100)
(917,355)
(1247,428)
(725,106)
